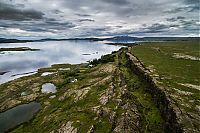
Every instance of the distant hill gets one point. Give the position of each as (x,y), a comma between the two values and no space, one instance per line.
(129,39)
(4,40)
(117,39)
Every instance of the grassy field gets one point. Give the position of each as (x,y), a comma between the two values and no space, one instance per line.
(176,65)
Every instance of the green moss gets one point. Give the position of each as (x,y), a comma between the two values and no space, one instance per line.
(103,126)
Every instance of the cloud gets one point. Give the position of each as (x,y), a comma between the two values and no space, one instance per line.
(57,11)
(78,18)
(86,20)
(117,2)
(186,6)
(83,15)
(192,2)
(194,8)
(47,25)
(156,27)
(175,10)
(180,17)
(174,19)
(9,12)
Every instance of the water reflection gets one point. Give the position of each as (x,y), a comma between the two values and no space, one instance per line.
(47,73)
(48,88)
(18,115)
(50,53)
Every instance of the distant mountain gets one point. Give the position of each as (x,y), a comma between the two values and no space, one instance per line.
(132,39)
(4,40)
(122,39)
(117,39)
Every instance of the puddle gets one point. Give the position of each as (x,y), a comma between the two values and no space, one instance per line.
(47,73)
(64,69)
(18,115)
(48,88)
(24,93)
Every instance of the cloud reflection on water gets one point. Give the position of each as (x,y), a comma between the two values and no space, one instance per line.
(54,52)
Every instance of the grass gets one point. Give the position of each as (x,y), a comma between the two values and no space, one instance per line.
(52,116)
(166,65)
(159,56)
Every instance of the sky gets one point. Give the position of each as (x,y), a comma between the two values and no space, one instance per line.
(98,18)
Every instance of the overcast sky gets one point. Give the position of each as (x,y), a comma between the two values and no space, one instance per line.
(96,18)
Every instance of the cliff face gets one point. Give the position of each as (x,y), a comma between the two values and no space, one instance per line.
(160,97)
(172,70)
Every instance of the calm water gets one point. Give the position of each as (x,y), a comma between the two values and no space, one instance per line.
(48,88)
(18,115)
(54,52)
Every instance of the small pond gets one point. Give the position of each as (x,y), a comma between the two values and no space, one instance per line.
(18,115)
(48,88)
(47,73)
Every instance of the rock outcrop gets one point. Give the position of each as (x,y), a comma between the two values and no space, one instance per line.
(167,107)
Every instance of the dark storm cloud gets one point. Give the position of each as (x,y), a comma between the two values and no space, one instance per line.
(171,19)
(189,22)
(9,12)
(86,20)
(190,25)
(192,2)
(188,6)
(180,17)
(120,8)
(53,27)
(83,15)
(118,26)
(47,25)
(175,10)
(57,11)
(156,27)
(117,2)
(174,19)
(55,23)
(194,8)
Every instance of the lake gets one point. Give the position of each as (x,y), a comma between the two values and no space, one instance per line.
(51,52)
